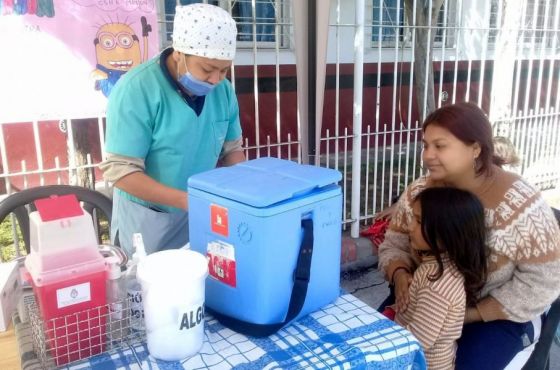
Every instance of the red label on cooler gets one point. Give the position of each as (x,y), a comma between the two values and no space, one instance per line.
(222,269)
(221,262)
(219,220)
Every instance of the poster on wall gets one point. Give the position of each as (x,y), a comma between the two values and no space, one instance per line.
(61,59)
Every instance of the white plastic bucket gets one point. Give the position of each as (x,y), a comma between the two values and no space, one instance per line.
(173,296)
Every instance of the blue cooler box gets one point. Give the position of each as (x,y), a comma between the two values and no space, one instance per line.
(248,220)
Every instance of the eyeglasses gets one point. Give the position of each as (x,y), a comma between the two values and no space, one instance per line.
(109,41)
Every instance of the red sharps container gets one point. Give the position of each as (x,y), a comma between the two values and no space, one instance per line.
(68,276)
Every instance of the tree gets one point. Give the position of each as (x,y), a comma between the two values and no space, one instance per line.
(423,18)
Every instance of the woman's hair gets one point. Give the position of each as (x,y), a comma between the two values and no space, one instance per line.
(504,149)
(452,221)
(468,123)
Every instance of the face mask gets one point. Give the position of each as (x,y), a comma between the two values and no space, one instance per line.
(194,85)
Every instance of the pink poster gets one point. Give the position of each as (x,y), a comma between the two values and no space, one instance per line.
(61,58)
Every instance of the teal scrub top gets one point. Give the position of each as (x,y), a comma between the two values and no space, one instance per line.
(148,118)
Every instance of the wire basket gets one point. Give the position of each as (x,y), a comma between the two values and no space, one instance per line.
(67,339)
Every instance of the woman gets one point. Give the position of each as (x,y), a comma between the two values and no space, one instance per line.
(523,238)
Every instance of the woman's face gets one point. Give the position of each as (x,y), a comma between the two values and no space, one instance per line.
(446,157)
(416,238)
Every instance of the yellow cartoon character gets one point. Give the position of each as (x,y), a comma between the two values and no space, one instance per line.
(117,50)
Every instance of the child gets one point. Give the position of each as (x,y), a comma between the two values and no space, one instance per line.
(448,237)
(504,149)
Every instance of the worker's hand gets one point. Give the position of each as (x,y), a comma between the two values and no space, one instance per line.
(402,280)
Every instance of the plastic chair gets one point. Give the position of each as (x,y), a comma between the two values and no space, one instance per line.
(540,358)
(21,204)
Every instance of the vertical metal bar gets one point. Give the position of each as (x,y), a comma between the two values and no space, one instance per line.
(232,69)
(458,31)
(328,149)
(531,58)
(383,165)
(483,56)
(544,33)
(443,46)
(38,152)
(101,136)
(357,117)
(24,171)
(394,106)
(312,78)
(428,60)
(337,86)
(412,59)
(345,174)
(366,195)
(72,172)
(277,79)
(256,78)
(519,60)
(378,101)
(415,148)
(4,156)
(554,57)
(57,167)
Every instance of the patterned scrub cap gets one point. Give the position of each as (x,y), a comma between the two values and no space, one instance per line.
(204,30)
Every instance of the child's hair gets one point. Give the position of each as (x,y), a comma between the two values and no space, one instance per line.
(505,151)
(452,221)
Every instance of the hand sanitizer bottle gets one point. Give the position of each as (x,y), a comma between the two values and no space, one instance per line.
(117,320)
(133,286)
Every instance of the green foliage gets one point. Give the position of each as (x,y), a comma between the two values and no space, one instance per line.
(7,246)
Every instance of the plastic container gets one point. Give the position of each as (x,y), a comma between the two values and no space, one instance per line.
(118,319)
(68,276)
(248,220)
(173,295)
(133,287)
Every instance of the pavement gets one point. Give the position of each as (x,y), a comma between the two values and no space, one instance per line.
(361,277)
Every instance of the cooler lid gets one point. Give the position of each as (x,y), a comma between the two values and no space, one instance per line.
(264,181)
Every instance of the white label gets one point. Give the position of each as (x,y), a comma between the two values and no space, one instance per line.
(136,309)
(73,295)
(222,249)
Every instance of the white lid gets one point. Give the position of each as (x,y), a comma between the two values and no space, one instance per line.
(172,265)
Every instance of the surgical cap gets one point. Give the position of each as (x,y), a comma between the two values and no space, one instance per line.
(204,30)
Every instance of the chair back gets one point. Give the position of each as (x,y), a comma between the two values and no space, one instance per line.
(21,204)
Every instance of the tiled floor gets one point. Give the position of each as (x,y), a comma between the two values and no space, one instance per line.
(370,286)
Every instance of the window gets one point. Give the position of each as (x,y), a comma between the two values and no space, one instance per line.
(537,25)
(389,17)
(267,14)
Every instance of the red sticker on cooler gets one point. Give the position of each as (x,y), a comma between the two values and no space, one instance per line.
(219,220)
(221,262)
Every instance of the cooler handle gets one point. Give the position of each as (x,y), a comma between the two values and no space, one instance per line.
(302,274)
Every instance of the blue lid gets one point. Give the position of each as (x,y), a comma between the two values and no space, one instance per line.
(264,181)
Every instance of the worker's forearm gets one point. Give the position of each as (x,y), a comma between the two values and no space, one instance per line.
(232,158)
(144,187)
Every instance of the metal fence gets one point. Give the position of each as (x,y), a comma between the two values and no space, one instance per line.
(385,151)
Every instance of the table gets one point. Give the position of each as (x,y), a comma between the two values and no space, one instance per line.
(9,355)
(347,334)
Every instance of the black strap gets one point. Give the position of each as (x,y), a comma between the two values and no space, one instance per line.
(302,274)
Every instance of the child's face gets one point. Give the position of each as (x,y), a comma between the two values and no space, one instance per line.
(416,239)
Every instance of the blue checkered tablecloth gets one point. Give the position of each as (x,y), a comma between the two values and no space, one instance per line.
(347,334)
